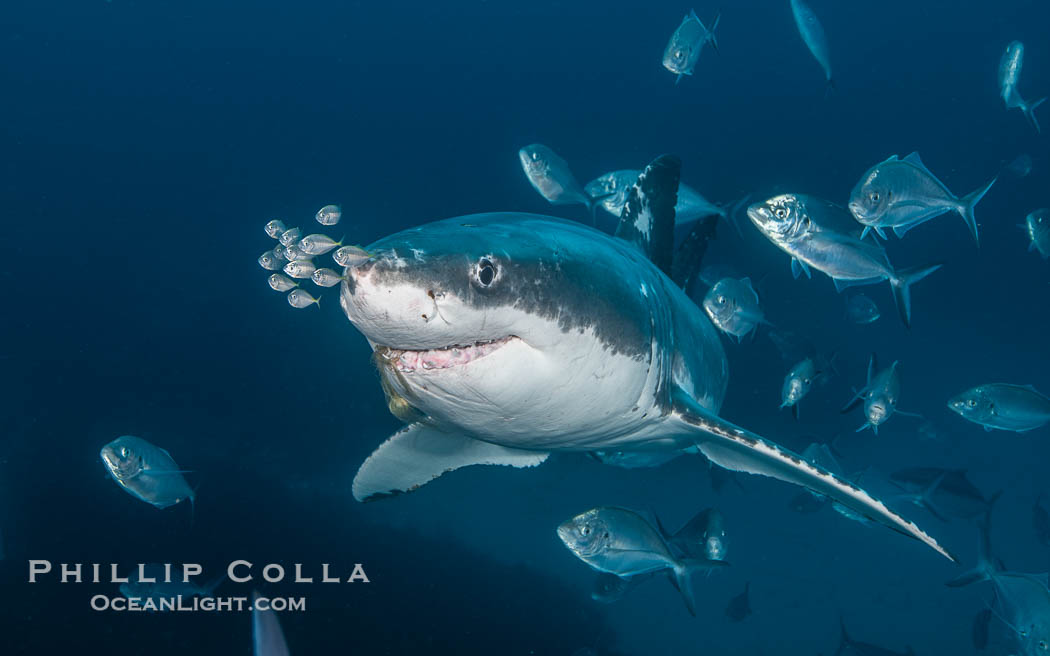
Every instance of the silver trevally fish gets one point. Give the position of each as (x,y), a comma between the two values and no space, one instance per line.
(318,244)
(1009,75)
(902,193)
(813,34)
(683,48)
(880,396)
(275,228)
(622,542)
(797,383)
(733,307)
(300,298)
(167,583)
(1004,406)
(861,309)
(795,223)
(271,261)
(329,215)
(350,256)
(146,471)
(549,174)
(290,236)
(1037,225)
(281,283)
(615,185)
(475,320)
(326,278)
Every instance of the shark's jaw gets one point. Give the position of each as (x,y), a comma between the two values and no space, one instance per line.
(408,361)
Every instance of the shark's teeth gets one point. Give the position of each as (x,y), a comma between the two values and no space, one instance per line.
(408,361)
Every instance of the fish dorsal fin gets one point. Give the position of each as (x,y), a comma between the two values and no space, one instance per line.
(914,158)
(418,454)
(647,219)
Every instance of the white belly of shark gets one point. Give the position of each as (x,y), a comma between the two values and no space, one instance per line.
(501,338)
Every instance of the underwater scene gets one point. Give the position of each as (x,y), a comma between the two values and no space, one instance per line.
(525,328)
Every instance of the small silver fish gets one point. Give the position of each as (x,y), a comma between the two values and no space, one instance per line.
(146,472)
(684,46)
(880,396)
(351,256)
(293,254)
(329,215)
(549,174)
(300,298)
(861,309)
(1010,65)
(1003,406)
(270,261)
(733,307)
(796,223)
(291,236)
(326,278)
(615,185)
(902,193)
(275,228)
(318,244)
(280,251)
(1021,165)
(281,283)
(622,542)
(813,35)
(797,383)
(1037,226)
(300,269)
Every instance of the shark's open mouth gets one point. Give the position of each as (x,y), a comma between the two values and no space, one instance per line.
(407,361)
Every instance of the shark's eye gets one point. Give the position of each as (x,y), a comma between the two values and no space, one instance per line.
(486,272)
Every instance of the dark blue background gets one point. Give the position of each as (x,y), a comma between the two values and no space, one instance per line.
(146,143)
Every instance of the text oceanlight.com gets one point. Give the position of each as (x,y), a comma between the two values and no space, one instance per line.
(194,604)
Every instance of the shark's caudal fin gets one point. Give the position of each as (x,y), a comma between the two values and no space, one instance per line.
(418,454)
(967,204)
(901,284)
(986,565)
(1029,113)
(647,218)
(734,448)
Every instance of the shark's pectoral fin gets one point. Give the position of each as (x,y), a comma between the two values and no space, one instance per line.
(734,448)
(416,455)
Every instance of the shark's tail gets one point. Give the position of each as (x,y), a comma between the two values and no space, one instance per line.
(903,281)
(967,204)
(986,566)
(1029,113)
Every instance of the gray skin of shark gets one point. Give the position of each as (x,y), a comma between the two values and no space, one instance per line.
(503,337)
(1003,406)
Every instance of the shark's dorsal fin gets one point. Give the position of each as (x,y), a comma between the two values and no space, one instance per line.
(647,219)
(417,454)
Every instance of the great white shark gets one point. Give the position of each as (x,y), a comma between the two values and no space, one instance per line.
(501,338)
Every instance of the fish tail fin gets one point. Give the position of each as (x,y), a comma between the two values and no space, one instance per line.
(711,32)
(986,566)
(1029,113)
(830,89)
(969,202)
(684,570)
(902,283)
(844,640)
(317,300)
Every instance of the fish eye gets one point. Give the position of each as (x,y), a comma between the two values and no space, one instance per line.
(971,403)
(780,213)
(585,530)
(486,272)
(1043,646)
(123,452)
(721,299)
(874,196)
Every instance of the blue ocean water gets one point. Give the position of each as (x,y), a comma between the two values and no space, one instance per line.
(146,144)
